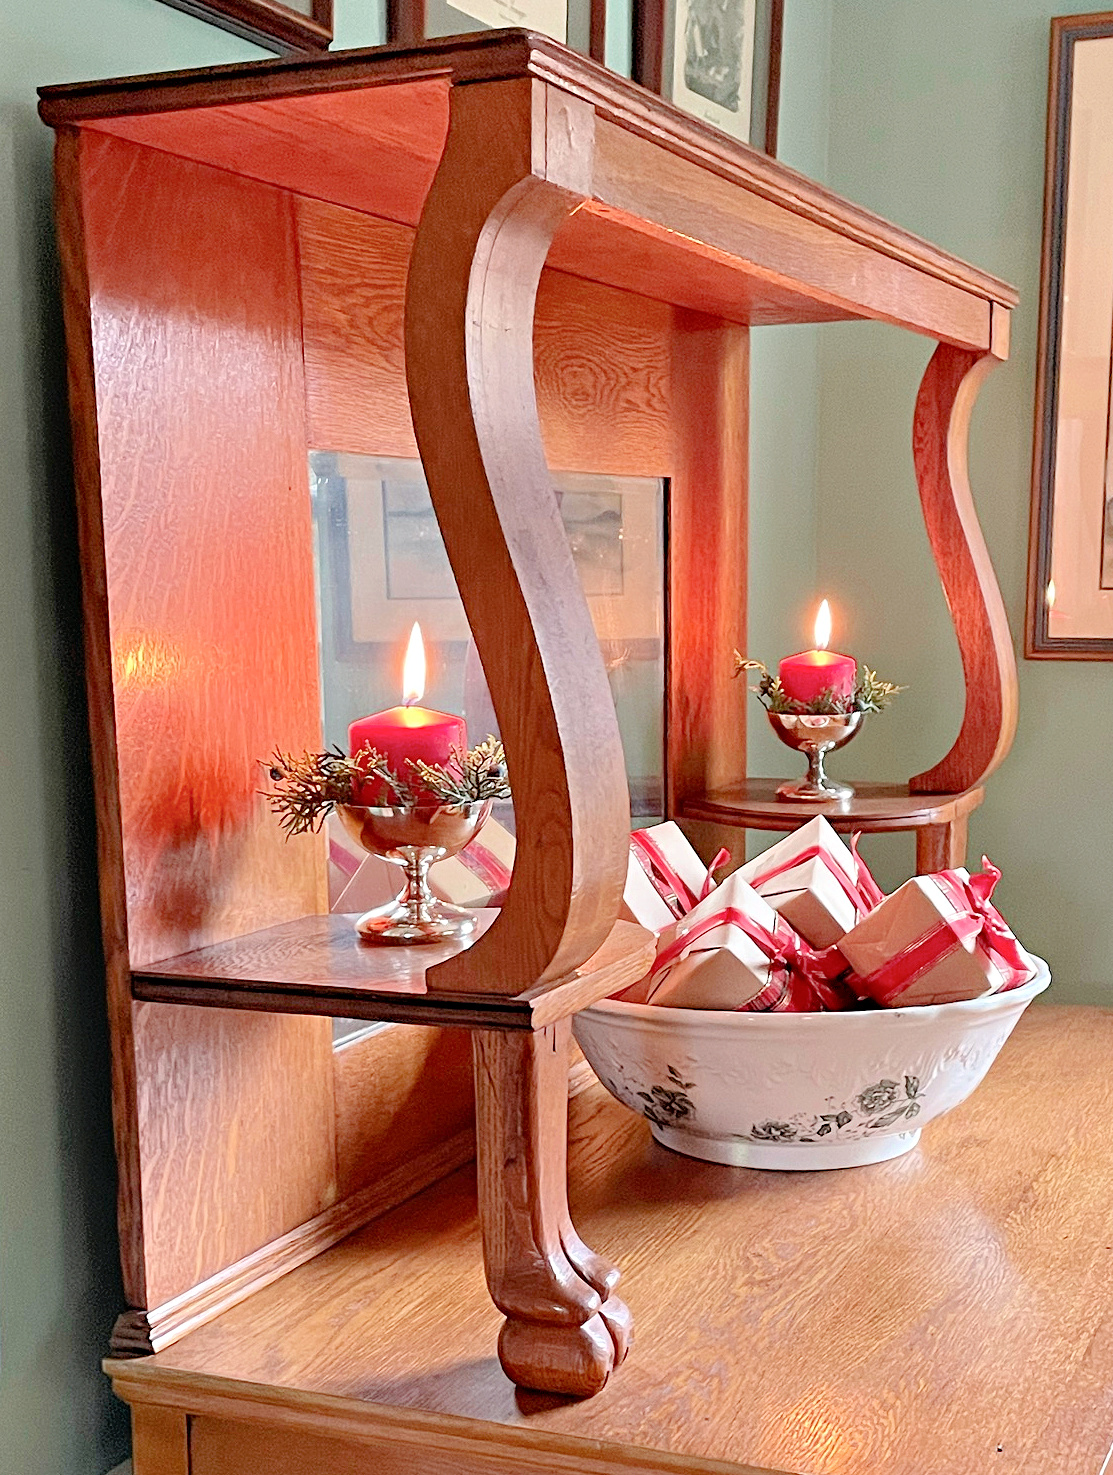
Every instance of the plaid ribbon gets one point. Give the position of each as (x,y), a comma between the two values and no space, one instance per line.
(800,978)
(486,867)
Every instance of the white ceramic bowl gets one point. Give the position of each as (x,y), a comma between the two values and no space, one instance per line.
(798,1091)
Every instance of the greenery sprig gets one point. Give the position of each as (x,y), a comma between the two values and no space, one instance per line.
(309,788)
(869,695)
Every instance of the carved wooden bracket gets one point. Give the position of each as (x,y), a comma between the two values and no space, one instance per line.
(518,161)
(940,432)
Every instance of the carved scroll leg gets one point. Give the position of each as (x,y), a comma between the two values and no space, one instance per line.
(565,1329)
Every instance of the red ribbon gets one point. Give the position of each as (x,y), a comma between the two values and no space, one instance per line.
(791,963)
(977,920)
(486,867)
(863,895)
(679,897)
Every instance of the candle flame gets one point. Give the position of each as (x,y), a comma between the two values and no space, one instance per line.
(413,669)
(823,627)
(1050,594)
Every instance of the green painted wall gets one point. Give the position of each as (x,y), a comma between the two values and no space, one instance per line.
(59,1282)
(937,116)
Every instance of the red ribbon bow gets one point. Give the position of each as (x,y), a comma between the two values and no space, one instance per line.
(678,896)
(791,961)
(973,894)
(977,920)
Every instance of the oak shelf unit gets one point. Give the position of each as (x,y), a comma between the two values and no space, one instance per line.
(427,251)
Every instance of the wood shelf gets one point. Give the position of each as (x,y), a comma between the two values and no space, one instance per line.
(947,1311)
(318,965)
(753,805)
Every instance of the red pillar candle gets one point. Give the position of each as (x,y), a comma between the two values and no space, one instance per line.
(809,674)
(409,732)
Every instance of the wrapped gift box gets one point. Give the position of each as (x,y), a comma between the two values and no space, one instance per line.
(480,874)
(936,940)
(734,952)
(665,878)
(815,881)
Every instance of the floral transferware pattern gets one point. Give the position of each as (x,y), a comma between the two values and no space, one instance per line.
(877,1106)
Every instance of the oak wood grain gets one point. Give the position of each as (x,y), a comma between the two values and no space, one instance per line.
(319,965)
(398,1094)
(909,1317)
(601,366)
(565,1329)
(202,448)
(69,208)
(940,432)
(516,163)
(495,56)
(160,1441)
(141,1331)
(708,545)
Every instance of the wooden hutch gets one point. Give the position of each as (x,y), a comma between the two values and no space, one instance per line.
(429,249)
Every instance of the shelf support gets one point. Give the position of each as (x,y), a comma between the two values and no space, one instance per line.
(518,161)
(565,1328)
(940,433)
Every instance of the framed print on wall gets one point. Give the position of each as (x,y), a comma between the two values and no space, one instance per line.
(299,25)
(719,60)
(1070,562)
(580,24)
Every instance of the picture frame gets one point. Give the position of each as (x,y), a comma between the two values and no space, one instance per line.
(580,24)
(719,60)
(290,29)
(1070,549)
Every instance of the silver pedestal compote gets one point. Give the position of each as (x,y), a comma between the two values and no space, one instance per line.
(816,735)
(415,836)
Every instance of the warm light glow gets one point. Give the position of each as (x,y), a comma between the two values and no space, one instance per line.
(1050,595)
(413,668)
(823,627)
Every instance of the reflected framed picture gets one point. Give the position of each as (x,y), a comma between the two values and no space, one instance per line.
(719,60)
(581,24)
(381,564)
(296,26)
(1070,555)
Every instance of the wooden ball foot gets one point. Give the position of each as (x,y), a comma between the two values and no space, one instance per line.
(572,1360)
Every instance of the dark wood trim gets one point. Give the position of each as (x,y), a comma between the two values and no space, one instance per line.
(597,35)
(773,96)
(267,23)
(648,58)
(405,22)
(1039,644)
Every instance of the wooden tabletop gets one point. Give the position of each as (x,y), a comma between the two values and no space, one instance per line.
(948,1313)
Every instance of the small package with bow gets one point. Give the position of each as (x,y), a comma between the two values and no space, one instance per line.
(820,885)
(936,940)
(733,951)
(665,878)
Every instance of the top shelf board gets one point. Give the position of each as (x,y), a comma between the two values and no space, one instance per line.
(677,211)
